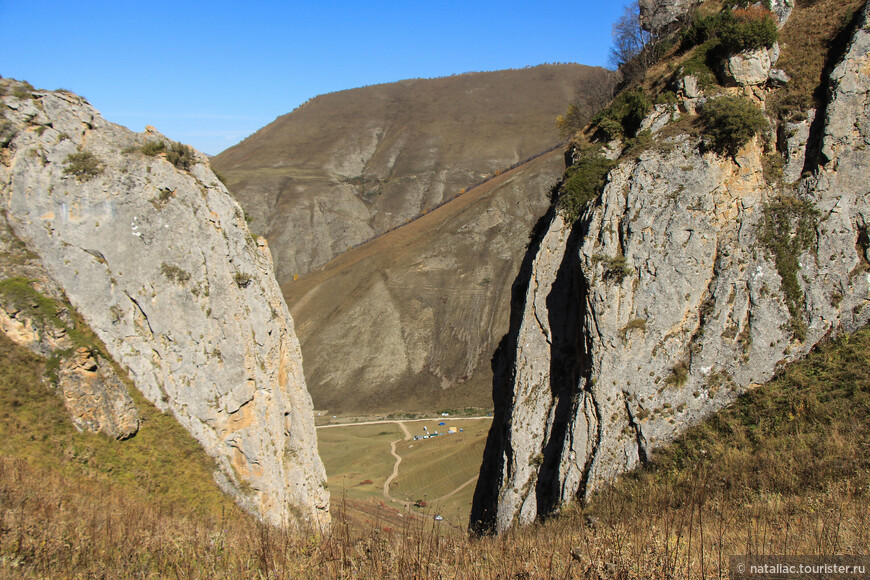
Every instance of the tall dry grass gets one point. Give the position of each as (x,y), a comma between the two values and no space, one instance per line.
(783,471)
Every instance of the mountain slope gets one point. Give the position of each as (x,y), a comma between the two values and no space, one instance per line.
(690,277)
(347,166)
(148,247)
(409,321)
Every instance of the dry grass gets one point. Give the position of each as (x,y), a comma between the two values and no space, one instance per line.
(811,33)
(783,471)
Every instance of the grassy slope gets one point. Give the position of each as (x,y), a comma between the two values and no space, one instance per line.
(784,470)
(162,462)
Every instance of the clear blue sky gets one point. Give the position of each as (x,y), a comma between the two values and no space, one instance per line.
(211,73)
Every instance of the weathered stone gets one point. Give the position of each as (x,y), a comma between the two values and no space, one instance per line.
(777,78)
(748,68)
(656,14)
(30,332)
(688,87)
(95,397)
(659,117)
(773,52)
(663,303)
(795,136)
(782,10)
(160,264)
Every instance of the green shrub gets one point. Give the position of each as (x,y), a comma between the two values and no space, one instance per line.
(616,268)
(748,29)
(83,165)
(624,115)
(789,229)
(181,156)
(679,375)
(733,30)
(610,129)
(242,280)
(174,273)
(152,148)
(730,122)
(702,63)
(583,182)
(7,133)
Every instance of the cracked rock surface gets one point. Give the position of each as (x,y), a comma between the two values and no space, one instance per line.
(663,303)
(160,264)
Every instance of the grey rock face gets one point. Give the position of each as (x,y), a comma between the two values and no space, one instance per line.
(160,264)
(778,77)
(796,136)
(659,117)
(688,87)
(656,14)
(782,9)
(662,304)
(750,68)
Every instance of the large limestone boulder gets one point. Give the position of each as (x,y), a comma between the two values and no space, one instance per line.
(159,262)
(749,68)
(95,397)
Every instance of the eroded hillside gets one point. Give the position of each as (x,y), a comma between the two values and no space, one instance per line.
(409,321)
(347,166)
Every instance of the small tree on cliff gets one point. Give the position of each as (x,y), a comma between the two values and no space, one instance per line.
(632,52)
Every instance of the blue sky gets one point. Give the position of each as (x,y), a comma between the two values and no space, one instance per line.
(211,73)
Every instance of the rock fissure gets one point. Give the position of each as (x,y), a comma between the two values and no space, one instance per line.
(638,429)
(141,311)
(718,315)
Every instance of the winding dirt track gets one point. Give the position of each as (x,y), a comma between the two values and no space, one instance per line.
(395,474)
(396,466)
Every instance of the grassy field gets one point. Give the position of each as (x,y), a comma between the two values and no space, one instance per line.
(357,459)
(441,470)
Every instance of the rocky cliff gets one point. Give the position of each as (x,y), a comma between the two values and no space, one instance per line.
(155,256)
(347,166)
(687,281)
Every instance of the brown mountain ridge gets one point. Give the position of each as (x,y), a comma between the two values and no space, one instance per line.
(347,166)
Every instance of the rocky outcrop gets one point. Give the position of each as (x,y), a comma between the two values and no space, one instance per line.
(748,68)
(95,397)
(157,259)
(348,166)
(689,281)
(657,14)
(34,314)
